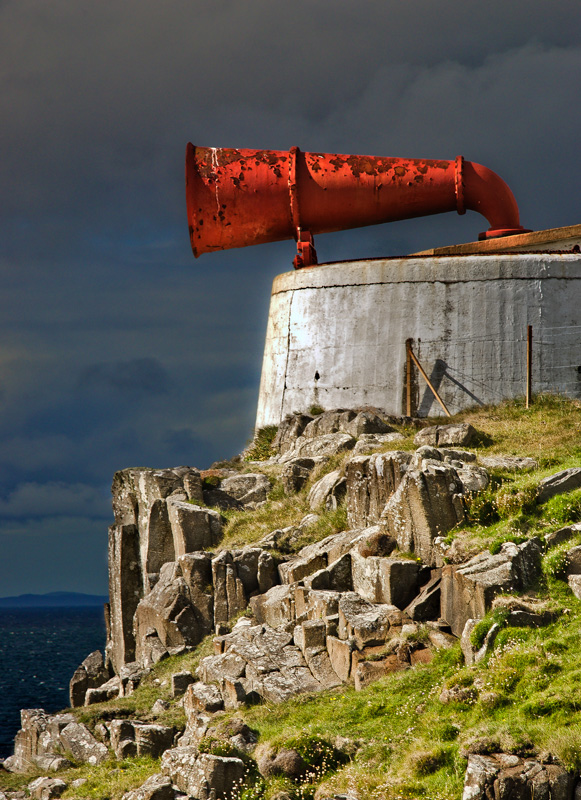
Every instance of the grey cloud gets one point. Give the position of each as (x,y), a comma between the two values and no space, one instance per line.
(137,376)
(36,452)
(55,498)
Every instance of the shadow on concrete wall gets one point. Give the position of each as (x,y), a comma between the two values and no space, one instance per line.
(440,370)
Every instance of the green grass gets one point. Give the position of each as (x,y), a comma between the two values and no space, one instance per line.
(548,431)
(111,779)
(248,527)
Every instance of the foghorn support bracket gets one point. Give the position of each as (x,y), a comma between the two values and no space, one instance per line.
(306,254)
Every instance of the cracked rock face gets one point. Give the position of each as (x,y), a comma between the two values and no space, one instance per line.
(139,498)
(177,613)
(289,431)
(426,504)
(468,589)
(43,740)
(385,580)
(89,675)
(153,526)
(327,445)
(371,481)
(199,774)
(263,662)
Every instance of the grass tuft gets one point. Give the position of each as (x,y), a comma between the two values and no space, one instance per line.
(261,449)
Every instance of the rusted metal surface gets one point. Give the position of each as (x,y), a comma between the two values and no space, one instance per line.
(237,198)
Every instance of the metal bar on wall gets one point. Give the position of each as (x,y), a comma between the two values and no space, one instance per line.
(408,387)
(529,365)
(425,377)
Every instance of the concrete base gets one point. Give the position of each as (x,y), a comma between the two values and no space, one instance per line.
(337,333)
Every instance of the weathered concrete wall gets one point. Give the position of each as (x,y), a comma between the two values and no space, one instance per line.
(336,333)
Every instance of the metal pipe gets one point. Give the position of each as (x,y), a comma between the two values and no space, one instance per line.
(237,198)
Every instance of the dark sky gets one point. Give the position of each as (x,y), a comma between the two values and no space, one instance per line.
(117,348)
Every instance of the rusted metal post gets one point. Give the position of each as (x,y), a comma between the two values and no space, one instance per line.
(529,365)
(408,380)
(427,380)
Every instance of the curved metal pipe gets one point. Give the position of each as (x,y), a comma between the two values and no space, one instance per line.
(237,198)
(487,193)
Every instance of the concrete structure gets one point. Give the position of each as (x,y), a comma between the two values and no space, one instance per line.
(337,333)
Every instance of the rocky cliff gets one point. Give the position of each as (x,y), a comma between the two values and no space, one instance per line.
(297,612)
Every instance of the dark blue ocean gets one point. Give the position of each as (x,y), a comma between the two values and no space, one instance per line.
(40,648)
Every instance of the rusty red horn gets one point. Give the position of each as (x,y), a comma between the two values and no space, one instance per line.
(237,198)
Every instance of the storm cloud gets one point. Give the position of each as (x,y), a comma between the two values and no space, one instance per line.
(117,348)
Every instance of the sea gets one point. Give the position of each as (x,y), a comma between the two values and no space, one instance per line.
(40,648)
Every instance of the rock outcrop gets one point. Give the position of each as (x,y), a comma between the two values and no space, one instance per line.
(157,609)
(177,613)
(153,525)
(47,743)
(89,675)
(371,481)
(564,481)
(157,787)
(168,590)
(46,788)
(456,435)
(329,491)
(504,775)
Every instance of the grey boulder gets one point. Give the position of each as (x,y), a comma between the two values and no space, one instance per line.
(295,474)
(157,787)
(201,774)
(328,491)
(289,431)
(461,434)
(76,739)
(46,788)
(503,775)
(559,483)
(427,504)
(248,488)
(327,445)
